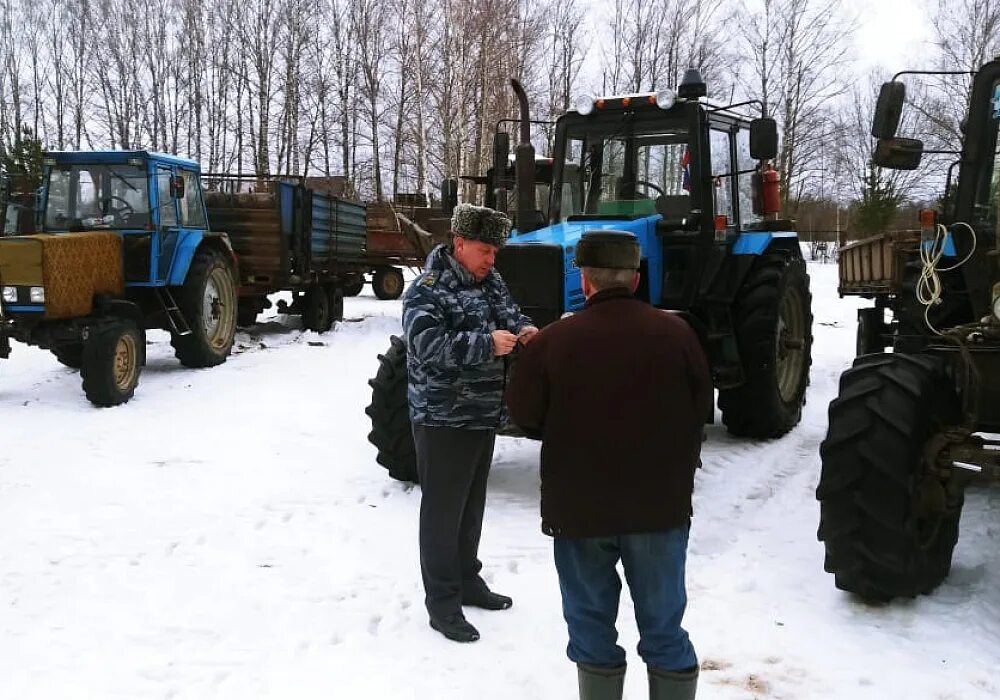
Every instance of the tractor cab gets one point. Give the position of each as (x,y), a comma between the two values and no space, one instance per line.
(152,200)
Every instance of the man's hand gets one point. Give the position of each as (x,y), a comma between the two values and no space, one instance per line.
(526,334)
(503,342)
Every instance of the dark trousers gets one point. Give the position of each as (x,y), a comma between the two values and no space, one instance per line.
(453,465)
(654,568)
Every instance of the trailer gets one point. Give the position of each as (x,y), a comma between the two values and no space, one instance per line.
(318,246)
(400,234)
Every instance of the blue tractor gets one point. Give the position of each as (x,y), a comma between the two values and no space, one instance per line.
(691,180)
(123,246)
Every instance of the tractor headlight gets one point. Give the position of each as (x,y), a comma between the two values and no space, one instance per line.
(10,295)
(996,301)
(37,295)
(584,104)
(665,99)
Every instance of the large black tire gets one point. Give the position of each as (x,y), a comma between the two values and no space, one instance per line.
(390,414)
(387,283)
(353,289)
(70,354)
(316,314)
(208,303)
(889,526)
(112,361)
(773,320)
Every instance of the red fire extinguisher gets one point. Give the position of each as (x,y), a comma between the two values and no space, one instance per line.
(766,185)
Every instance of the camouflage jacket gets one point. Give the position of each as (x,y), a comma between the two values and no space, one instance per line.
(455,379)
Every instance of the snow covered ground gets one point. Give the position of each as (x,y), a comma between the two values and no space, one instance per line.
(228,534)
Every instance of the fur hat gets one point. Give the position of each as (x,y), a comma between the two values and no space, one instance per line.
(614,250)
(480,224)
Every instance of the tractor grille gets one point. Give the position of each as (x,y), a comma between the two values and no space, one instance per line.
(534,274)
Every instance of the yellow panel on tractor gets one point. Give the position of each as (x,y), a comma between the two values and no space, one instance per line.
(71,267)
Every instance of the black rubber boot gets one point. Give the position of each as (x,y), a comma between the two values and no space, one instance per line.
(672,685)
(601,682)
(487,600)
(455,627)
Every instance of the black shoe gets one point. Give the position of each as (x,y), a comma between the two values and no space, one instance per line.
(455,627)
(487,600)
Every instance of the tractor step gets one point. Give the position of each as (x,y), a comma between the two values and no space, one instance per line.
(174,316)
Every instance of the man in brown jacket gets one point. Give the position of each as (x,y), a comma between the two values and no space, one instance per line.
(618,393)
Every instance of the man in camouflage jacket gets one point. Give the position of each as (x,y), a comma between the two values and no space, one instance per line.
(460,323)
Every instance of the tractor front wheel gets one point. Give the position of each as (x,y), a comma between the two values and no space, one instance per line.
(392,433)
(888,517)
(773,321)
(112,360)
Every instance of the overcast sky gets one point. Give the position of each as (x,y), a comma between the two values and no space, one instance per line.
(891,35)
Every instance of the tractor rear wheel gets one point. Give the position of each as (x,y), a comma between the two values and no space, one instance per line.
(888,521)
(773,320)
(112,360)
(389,411)
(387,283)
(208,303)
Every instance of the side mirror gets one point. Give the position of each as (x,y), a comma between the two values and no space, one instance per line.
(898,154)
(763,139)
(501,154)
(888,110)
(449,195)
(177,187)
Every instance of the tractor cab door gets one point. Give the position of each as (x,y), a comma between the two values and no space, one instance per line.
(168,224)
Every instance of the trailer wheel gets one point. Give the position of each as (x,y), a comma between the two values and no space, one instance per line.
(336,297)
(208,303)
(387,283)
(871,331)
(392,434)
(70,354)
(888,522)
(247,310)
(111,362)
(316,310)
(353,289)
(773,322)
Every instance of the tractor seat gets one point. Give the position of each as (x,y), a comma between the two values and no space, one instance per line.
(675,210)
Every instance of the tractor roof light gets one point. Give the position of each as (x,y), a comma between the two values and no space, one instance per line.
(584,104)
(665,99)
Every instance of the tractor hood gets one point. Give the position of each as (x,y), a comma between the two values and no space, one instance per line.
(538,266)
(57,276)
(567,234)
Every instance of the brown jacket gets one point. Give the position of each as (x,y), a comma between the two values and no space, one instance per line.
(619,393)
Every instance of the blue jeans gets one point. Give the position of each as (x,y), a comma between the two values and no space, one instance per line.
(591,588)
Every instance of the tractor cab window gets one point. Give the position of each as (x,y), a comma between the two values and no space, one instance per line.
(82,197)
(192,211)
(614,169)
(744,182)
(722,185)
